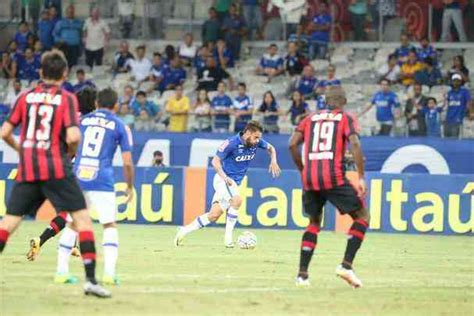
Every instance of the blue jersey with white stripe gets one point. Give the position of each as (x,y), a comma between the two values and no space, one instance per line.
(102,132)
(236,156)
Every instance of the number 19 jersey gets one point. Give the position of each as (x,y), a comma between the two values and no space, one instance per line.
(325,136)
(102,132)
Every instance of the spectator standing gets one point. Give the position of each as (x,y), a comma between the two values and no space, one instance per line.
(121,58)
(253,18)
(28,66)
(178,108)
(299,108)
(13,92)
(221,107)
(96,34)
(415,112)
(45,30)
(458,102)
(452,13)
(409,68)
(21,36)
(404,50)
(271,112)
(391,70)
(432,116)
(358,13)
(294,60)
(224,56)
(210,76)
(82,82)
(271,64)
(320,27)
(233,28)
(54,15)
(140,68)
(67,33)
(8,66)
(211,28)
(222,8)
(430,75)
(458,68)
(56,4)
(272,24)
(243,108)
(187,50)
(202,112)
(173,76)
(146,112)
(388,107)
(291,12)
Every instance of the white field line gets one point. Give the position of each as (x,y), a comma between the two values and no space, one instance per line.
(158,290)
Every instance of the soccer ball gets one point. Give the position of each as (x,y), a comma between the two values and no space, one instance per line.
(247,240)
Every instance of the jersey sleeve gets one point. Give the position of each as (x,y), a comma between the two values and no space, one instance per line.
(351,127)
(17,112)
(71,111)
(302,125)
(263,144)
(125,138)
(225,149)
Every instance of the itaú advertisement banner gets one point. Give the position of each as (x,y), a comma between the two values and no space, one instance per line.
(416,203)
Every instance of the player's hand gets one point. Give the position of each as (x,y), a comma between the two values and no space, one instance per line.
(274,169)
(129,195)
(362,188)
(229,181)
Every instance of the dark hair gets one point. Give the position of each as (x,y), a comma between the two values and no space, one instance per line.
(86,98)
(141,93)
(243,85)
(157,153)
(413,50)
(53,65)
(18,81)
(429,61)
(431,98)
(392,56)
(212,9)
(23,23)
(140,47)
(271,94)
(253,126)
(273,45)
(461,59)
(384,79)
(156,54)
(170,51)
(107,98)
(324,2)
(425,38)
(80,71)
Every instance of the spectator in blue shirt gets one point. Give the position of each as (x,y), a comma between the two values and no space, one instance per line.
(271,112)
(233,28)
(388,107)
(67,32)
(56,4)
(221,107)
(243,108)
(432,115)
(173,76)
(331,80)
(223,55)
(143,108)
(4,110)
(28,66)
(427,51)
(299,108)
(121,57)
(404,50)
(458,102)
(66,85)
(21,37)
(54,15)
(158,69)
(271,64)
(13,50)
(200,59)
(430,75)
(321,28)
(82,82)
(307,83)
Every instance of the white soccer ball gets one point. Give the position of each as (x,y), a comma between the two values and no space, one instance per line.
(247,240)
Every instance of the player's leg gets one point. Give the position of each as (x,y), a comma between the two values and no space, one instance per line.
(313,204)
(66,246)
(347,201)
(8,225)
(233,206)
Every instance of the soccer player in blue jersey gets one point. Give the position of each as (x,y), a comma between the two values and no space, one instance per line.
(231,163)
(102,133)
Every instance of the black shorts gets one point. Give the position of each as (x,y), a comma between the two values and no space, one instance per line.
(64,194)
(343,197)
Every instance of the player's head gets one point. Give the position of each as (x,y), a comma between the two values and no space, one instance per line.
(431,102)
(456,79)
(107,99)
(252,133)
(53,66)
(87,100)
(336,97)
(384,85)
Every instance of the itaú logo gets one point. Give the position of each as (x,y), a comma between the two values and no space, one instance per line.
(244,158)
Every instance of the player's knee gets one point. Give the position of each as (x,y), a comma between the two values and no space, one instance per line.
(236,202)
(362,214)
(215,213)
(110,225)
(81,220)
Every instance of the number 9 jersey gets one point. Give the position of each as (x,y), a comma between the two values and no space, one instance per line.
(325,135)
(102,132)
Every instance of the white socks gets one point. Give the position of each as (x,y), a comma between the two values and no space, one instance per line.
(200,222)
(110,243)
(232,217)
(66,243)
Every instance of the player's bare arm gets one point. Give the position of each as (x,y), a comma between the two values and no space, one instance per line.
(295,141)
(7,136)
(274,168)
(128,174)
(217,164)
(356,150)
(73,138)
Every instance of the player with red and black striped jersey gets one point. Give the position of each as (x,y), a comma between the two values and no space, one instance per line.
(49,135)
(325,135)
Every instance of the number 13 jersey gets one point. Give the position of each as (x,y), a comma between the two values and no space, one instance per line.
(102,132)
(325,136)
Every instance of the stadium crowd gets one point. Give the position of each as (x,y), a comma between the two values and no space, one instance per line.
(220,102)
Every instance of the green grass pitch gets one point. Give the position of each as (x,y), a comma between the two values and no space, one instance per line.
(402,275)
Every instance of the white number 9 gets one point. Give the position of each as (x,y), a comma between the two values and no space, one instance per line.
(93,139)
